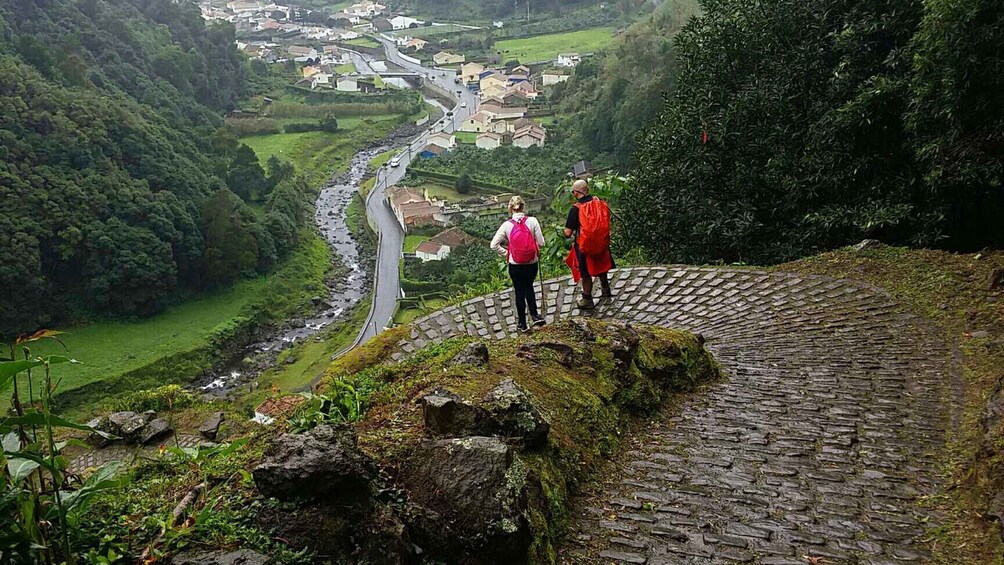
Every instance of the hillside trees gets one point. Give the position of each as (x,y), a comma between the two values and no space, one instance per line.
(794,129)
(107,158)
(613,95)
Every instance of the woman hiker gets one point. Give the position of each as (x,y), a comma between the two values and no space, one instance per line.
(524,239)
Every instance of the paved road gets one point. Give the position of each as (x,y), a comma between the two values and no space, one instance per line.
(388,284)
(821,442)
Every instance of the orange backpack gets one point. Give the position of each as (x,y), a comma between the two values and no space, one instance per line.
(594,226)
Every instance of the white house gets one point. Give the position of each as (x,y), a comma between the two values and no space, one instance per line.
(321,80)
(568,59)
(347,84)
(404,22)
(366,9)
(349,35)
(302,53)
(551,78)
(379,66)
(529,136)
(428,251)
(352,18)
(489,140)
(443,139)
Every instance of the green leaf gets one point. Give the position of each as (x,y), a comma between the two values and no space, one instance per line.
(19,468)
(11,442)
(10,368)
(40,419)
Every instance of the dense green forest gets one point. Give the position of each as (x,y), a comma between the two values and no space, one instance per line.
(612,95)
(108,114)
(798,126)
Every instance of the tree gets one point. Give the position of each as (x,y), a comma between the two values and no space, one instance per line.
(329,123)
(463,184)
(231,248)
(245,177)
(750,146)
(279,171)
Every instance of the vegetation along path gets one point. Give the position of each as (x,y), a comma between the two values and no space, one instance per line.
(820,442)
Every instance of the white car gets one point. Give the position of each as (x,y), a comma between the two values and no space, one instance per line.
(463,104)
(395,162)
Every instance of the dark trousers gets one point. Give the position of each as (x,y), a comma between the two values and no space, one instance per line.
(522,283)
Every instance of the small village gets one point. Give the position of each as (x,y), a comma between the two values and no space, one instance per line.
(327,50)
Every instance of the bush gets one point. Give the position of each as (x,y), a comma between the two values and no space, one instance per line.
(170,397)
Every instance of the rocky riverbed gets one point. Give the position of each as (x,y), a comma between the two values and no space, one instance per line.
(346,289)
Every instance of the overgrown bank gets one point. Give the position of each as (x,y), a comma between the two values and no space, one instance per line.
(465,451)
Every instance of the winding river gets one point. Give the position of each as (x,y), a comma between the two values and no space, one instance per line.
(344,293)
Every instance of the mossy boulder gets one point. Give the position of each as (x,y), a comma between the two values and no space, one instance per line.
(487,478)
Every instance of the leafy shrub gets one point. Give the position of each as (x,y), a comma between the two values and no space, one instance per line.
(170,397)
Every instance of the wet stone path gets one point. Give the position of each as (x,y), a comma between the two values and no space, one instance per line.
(820,443)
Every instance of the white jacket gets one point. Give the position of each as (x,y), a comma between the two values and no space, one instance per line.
(502,234)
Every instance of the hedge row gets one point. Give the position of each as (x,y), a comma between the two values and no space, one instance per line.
(452,179)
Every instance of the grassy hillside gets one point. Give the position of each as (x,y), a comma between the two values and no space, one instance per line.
(547,47)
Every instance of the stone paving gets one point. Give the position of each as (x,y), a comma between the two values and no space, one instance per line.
(819,444)
(129,453)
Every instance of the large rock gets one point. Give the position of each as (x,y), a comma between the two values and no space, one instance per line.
(239,557)
(131,430)
(447,414)
(623,342)
(118,419)
(473,354)
(515,415)
(477,486)
(156,429)
(867,244)
(323,464)
(101,424)
(211,427)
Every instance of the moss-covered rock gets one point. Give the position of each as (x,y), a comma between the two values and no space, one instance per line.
(544,413)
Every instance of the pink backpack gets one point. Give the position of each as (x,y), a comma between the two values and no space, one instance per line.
(522,244)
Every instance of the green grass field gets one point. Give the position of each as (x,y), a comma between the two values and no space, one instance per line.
(318,154)
(546,47)
(362,42)
(443,192)
(411,242)
(469,137)
(345,69)
(108,349)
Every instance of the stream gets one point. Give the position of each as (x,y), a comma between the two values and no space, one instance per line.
(344,292)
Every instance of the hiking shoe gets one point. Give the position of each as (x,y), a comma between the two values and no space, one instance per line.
(538,321)
(586,303)
(523,329)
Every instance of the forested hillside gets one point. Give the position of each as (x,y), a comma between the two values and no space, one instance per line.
(798,126)
(613,95)
(107,112)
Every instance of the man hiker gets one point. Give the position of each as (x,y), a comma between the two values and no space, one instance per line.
(589,223)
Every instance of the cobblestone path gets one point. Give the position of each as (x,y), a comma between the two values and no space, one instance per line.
(128,454)
(820,442)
